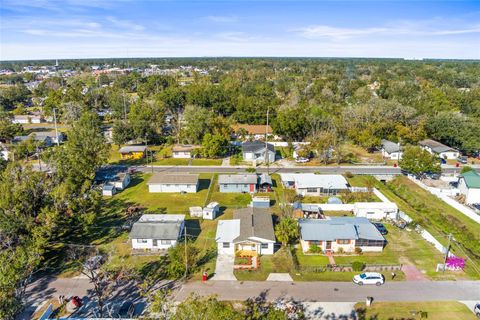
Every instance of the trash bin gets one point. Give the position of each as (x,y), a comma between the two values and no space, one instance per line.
(204,276)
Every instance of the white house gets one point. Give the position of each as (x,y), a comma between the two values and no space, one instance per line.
(108,190)
(340,234)
(173,182)
(183,151)
(252,131)
(52,135)
(376,210)
(256,151)
(251,229)
(121,181)
(443,151)
(391,150)
(311,184)
(24,119)
(4,152)
(469,186)
(157,231)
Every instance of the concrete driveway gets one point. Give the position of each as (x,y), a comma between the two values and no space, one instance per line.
(224,267)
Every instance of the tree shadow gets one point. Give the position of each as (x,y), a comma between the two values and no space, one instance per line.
(193,228)
(203,184)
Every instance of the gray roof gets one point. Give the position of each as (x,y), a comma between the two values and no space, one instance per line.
(436,146)
(254,222)
(128,149)
(173,178)
(254,146)
(338,228)
(18,139)
(166,229)
(390,146)
(237,179)
(265,179)
(50,134)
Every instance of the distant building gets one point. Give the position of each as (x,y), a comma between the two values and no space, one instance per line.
(441,150)
(25,119)
(132,152)
(121,180)
(173,182)
(157,231)
(238,183)
(183,151)
(108,190)
(257,150)
(251,131)
(337,233)
(51,134)
(469,186)
(41,140)
(391,150)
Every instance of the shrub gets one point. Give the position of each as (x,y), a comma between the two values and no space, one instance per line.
(349,175)
(358,266)
(340,250)
(314,248)
(358,250)
(251,170)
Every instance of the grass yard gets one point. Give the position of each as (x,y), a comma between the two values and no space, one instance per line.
(438,310)
(137,193)
(434,215)
(278,262)
(186,162)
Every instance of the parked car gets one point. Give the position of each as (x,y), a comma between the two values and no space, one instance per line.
(369,278)
(476,310)
(380,227)
(433,176)
(302,160)
(127,310)
(462,160)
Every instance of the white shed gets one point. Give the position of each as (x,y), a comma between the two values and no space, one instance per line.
(376,210)
(196,212)
(211,211)
(108,190)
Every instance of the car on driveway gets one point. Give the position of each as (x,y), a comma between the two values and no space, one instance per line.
(380,227)
(369,278)
(302,160)
(463,160)
(476,310)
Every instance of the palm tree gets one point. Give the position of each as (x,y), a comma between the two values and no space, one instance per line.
(286,230)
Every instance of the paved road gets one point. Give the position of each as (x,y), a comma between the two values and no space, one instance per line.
(336,291)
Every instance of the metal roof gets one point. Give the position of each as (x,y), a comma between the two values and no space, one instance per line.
(227,230)
(157,226)
(436,146)
(173,178)
(265,179)
(128,149)
(312,180)
(472,179)
(338,228)
(237,179)
(255,146)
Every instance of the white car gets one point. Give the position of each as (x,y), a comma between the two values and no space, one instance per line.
(476,309)
(302,160)
(369,278)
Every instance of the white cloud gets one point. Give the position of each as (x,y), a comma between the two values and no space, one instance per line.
(125,24)
(222,19)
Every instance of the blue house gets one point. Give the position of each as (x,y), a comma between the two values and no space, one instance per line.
(238,183)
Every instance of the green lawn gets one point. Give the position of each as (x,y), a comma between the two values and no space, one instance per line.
(438,310)
(261,274)
(137,193)
(185,162)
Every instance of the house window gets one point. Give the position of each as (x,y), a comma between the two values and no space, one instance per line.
(311,190)
(343,241)
(225,186)
(166,242)
(264,246)
(226,245)
(142,240)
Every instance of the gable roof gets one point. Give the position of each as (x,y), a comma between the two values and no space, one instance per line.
(173,178)
(312,180)
(391,147)
(237,179)
(157,226)
(436,146)
(472,179)
(254,222)
(265,179)
(184,147)
(128,149)
(335,228)
(253,146)
(253,128)
(227,230)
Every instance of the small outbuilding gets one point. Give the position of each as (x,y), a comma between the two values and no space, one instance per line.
(265,183)
(260,202)
(376,210)
(108,190)
(121,180)
(211,211)
(196,212)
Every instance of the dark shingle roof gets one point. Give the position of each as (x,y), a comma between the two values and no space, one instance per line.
(390,146)
(252,146)
(254,222)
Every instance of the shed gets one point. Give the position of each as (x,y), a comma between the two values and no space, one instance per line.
(108,190)
(260,202)
(211,211)
(196,212)
(376,210)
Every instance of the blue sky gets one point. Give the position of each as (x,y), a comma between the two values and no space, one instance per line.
(49,29)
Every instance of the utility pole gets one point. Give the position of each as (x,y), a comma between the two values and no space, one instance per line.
(56,129)
(447,251)
(266,143)
(186,255)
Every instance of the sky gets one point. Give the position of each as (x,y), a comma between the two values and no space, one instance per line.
(61,29)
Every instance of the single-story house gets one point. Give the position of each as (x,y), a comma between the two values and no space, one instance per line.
(121,180)
(251,131)
(24,119)
(173,182)
(211,211)
(43,141)
(376,210)
(51,134)
(260,202)
(391,150)
(183,151)
(311,184)
(265,183)
(132,152)
(256,150)
(251,229)
(157,231)
(469,186)
(238,182)
(443,151)
(4,152)
(347,233)
(108,190)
